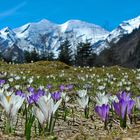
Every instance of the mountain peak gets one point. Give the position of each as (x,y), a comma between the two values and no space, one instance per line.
(79,23)
(126,27)
(7,31)
(45,21)
(84,28)
(131,24)
(134,20)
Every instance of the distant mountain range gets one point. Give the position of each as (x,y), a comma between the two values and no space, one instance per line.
(45,35)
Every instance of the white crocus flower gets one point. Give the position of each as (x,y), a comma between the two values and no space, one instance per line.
(10,79)
(38,77)
(24,77)
(112,99)
(128,88)
(48,107)
(11,103)
(83,98)
(98,80)
(39,114)
(8,93)
(17,86)
(137,102)
(101,87)
(82,93)
(30,80)
(65,97)
(111,82)
(6,86)
(83,101)
(17,78)
(41,87)
(102,98)
(21,72)
(138,77)
(1,90)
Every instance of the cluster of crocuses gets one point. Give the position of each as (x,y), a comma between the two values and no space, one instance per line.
(41,104)
(122,104)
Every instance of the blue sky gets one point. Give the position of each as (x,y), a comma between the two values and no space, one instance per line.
(106,13)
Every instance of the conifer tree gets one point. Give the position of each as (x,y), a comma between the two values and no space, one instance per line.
(84,54)
(65,54)
(34,56)
(31,56)
(27,56)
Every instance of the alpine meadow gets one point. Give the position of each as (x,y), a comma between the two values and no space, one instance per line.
(69,70)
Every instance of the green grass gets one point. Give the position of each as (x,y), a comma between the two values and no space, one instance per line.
(57,73)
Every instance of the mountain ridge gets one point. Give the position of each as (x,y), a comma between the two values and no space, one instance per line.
(46,35)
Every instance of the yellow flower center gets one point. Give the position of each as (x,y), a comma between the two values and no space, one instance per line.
(8,98)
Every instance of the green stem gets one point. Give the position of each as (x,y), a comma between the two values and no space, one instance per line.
(28,123)
(65,112)
(105,124)
(73,115)
(50,123)
(86,112)
(29,127)
(8,128)
(123,121)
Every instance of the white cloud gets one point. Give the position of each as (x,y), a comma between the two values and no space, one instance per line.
(12,10)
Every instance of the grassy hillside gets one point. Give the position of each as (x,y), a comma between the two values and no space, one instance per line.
(106,79)
(112,78)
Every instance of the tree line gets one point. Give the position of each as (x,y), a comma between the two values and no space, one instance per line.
(82,55)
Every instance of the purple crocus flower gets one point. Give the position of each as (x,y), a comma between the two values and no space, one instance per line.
(124,104)
(35,97)
(130,106)
(56,96)
(48,86)
(102,111)
(20,93)
(30,89)
(123,95)
(2,82)
(40,92)
(69,87)
(32,98)
(61,87)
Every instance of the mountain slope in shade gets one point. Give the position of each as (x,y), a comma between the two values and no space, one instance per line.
(125,28)
(125,52)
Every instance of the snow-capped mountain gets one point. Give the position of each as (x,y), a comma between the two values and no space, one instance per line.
(45,35)
(7,38)
(125,28)
(123,45)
